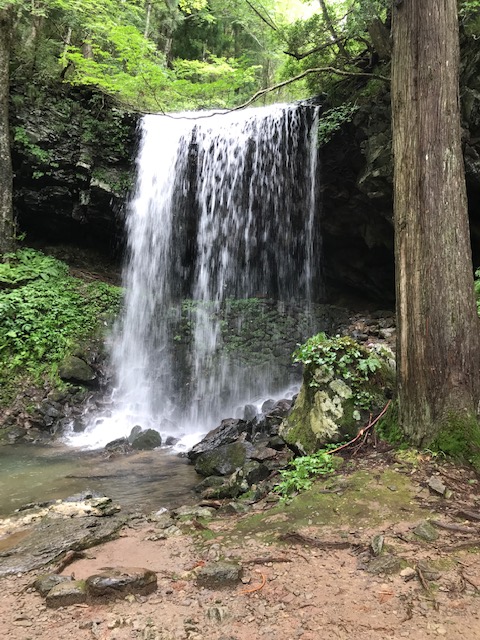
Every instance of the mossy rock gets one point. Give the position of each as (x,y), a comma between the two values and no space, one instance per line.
(73,369)
(335,401)
(222,461)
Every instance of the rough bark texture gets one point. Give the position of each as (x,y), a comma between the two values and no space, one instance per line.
(6,214)
(437,344)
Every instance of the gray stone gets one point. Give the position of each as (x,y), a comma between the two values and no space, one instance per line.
(73,369)
(249,412)
(387,564)
(117,583)
(254,472)
(136,431)
(268,405)
(426,531)
(147,440)
(67,593)
(217,614)
(377,544)
(219,575)
(437,486)
(193,512)
(45,583)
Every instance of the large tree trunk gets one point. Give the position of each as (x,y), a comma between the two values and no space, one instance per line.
(6,214)
(438,354)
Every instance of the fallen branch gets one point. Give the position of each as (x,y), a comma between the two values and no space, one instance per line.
(256,588)
(364,430)
(469,515)
(462,545)
(267,559)
(422,579)
(299,538)
(453,527)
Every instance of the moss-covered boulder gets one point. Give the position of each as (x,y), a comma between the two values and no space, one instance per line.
(343,383)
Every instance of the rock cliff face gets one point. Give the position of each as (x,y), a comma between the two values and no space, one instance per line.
(73,160)
(74,164)
(357,172)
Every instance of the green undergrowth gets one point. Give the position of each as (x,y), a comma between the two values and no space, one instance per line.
(44,312)
(302,471)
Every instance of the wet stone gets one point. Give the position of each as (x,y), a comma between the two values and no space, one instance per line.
(117,583)
(66,594)
(426,531)
(218,575)
(45,583)
(146,440)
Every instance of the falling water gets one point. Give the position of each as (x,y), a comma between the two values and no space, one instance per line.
(224,209)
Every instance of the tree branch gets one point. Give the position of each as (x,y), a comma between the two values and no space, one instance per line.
(325,45)
(262,18)
(339,72)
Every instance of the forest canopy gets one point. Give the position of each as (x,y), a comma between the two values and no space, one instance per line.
(169,55)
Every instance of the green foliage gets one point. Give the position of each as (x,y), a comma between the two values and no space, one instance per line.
(37,156)
(333,119)
(339,357)
(43,312)
(477,289)
(302,471)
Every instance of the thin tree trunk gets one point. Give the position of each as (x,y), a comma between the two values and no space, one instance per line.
(330,26)
(6,212)
(438,353)
(147,18)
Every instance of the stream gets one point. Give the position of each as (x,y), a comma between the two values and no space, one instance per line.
(145,481)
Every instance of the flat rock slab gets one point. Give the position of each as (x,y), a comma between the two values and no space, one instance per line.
(45,583)
(43,541)
(118,583)
(219,575)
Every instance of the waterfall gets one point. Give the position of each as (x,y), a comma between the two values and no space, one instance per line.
(225,209)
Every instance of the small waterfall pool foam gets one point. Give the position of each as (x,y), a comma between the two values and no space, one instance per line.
(225,210)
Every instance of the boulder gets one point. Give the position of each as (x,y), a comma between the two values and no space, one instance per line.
(343,383)
(223,460)
(146,440)
(73,369)
(227,432)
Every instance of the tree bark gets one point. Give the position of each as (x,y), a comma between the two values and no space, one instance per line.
(6,211)
(438,352)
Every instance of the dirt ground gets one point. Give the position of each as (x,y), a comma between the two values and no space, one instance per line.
(307,567)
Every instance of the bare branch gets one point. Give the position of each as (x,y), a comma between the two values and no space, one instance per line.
(262,18)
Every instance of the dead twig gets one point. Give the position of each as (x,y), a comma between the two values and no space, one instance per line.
(257,587)
(370,424)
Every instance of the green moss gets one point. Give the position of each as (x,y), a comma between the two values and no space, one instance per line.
(364,501)
(459,437)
